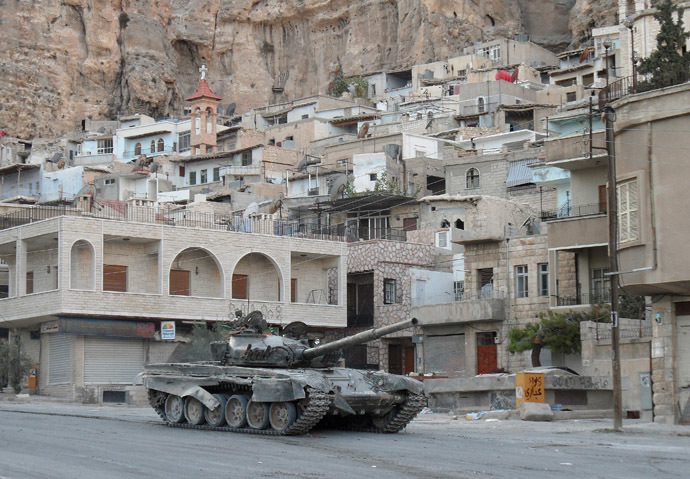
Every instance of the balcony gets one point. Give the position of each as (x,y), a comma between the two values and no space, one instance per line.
(466,309)
(365,233)
(574,211)
(582,299)
(579,229)
(242,170)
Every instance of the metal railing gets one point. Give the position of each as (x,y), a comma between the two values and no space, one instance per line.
(457,297)
(614,91)
(147,152)
(574,211)
(584,298)
(366,233)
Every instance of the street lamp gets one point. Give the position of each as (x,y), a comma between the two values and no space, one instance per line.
(634,56)
(607,43)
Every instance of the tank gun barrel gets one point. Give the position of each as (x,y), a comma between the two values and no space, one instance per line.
(359,338)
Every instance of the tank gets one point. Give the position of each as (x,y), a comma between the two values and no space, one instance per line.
(282,385)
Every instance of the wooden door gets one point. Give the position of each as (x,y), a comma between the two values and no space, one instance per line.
(603,198)
(114,277)
(395,363)
(239,286)
(409,359)
(29,282)
(487,358)
(179,282)
(409,224)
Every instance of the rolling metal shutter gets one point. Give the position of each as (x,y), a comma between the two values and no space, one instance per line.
(112,360)
(59,365)
(445,354)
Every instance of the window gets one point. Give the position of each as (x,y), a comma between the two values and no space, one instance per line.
(543,279)
(110,181)
(179,282)
(192,177)
(521,281)
(203,177)
(137,149)
(481,107)
(246,158)
(305,116)
(442,240)
(153,146)
(601,286)
(182,171)
(105,146)
(29,282)
(372,176)
(472,179)
(239,286)
(459,290)
(628,219)
(185,141)
(571,96)
(55,277)
(389,291)
(114,278)
(161,144)
(216,174)
(342,163)
(293,290)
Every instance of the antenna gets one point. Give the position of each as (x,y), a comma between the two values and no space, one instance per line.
(230,110)
(250,210)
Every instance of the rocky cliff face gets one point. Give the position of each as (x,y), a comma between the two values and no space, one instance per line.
(68,59)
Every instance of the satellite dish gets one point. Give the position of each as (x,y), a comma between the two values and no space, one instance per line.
(230,110)
(87,191)
(338,187)
(363,131)
(250,210)
(101,129)
(277,204)
(55,158)
(302,165)
(154,167)
(219,109)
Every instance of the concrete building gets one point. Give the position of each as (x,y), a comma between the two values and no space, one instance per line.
(88,294)
(507,52)
(652,232)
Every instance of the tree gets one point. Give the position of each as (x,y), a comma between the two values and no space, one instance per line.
(14,363)
(670,63)
(559,332)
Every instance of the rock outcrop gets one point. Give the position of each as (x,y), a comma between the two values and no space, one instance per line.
(65,60)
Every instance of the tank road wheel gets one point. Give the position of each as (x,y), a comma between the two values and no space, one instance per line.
(174,409)
(282,415)
(216,417)
(236,411)
(194,411)
(258,415)
(380,422)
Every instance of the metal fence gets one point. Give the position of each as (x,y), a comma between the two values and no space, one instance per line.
(584,298)
(261,224)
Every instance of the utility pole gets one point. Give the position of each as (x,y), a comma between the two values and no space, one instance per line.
(612,207)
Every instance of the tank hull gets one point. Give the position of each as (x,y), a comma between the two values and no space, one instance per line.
(342,397)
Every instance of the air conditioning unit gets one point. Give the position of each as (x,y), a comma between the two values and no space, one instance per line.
(313,192)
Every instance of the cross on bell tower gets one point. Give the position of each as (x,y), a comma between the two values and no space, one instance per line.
(204,115)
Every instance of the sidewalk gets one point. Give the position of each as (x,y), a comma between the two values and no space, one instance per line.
(507,420)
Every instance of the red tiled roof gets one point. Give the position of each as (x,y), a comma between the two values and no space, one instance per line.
(203,91)
(116,205)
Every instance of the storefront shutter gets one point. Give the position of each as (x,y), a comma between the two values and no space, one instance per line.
(112,360)
(445,354)
(59,366)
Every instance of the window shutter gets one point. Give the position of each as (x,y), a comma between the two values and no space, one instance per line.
(114,278)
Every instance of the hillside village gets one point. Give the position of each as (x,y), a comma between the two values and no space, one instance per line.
(470,193)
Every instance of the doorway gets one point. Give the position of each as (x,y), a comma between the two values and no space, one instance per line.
(487,353)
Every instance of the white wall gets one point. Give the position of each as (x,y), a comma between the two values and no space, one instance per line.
(61,184)
(364,165)
(414,143)
(438,287)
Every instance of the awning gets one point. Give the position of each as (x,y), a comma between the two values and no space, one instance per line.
(520,172)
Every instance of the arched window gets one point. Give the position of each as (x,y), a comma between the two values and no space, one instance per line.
(472,179)
(153,146)
(196,272)
(161,144)
(137,149)
(209,121)
(82,266)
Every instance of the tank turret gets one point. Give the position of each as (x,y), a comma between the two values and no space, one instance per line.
(247,344)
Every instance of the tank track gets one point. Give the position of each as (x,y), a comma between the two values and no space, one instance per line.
(318,405)
(407,412)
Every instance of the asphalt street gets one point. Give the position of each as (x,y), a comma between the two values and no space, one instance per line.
(64,440)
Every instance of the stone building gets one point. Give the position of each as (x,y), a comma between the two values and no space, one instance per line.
(652,232)
(88,294)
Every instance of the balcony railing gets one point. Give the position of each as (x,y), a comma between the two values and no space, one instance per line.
(615,90)
(143,151)
(584,298)
(574,211)
(190,219)
(447,297)
(392,234)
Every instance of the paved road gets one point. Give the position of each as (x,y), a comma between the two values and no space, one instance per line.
(51,440)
